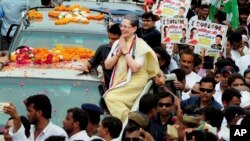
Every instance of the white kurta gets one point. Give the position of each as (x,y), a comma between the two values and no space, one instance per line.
(50,130)
(191,79)
(80,136)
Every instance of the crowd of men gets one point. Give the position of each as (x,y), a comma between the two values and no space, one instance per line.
(200,105)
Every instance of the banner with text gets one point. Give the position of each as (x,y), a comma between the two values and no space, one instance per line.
(157,7)
(174,30)
(206,34)
(175,9)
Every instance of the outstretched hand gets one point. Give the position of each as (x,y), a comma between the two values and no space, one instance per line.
(11,110)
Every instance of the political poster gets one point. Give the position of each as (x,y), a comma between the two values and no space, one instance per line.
(174,30)
(215,54)
(157,7)
(175,8)
(206,34)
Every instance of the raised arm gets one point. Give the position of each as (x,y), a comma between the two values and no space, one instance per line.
(11,110)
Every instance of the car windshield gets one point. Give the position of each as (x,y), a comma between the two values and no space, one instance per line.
(63,94)
(37,39)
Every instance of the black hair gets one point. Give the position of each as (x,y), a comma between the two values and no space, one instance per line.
(196,3)
(197,60)
(220,16)
(115,29)
(166,94)
(229,38)
(129,129)
(180,74)
(226,62)
(114,126)
(234,76)
(219,36)
(164,55)
(147,103)
(184,29)
(236,36)
(229,93)
(213,116)
(40,102)
(55,138)
(246,72)
(243,10)
(193,29)
(207,79)
(231,111)
(241,30)
(187,51)
(183,8)
(147,15)
(80,116)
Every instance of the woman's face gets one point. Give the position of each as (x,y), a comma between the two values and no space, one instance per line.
(127,29)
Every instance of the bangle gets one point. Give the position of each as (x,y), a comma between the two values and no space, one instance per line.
(125,54)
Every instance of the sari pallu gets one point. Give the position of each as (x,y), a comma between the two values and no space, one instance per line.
(125,85)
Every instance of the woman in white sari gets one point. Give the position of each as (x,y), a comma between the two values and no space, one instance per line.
(134,63)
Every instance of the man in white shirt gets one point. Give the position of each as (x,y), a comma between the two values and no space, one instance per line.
(187,64)
(243,63)
(239,49)
(75,124)
(39,113)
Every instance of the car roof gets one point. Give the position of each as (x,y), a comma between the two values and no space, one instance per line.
(47,24)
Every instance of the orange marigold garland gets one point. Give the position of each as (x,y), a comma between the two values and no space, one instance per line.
(28,55)
(33,14)
(74,13)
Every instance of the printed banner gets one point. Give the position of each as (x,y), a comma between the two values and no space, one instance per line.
(174,30)
(209,52)
(157,7)
(206,34)
(175,8)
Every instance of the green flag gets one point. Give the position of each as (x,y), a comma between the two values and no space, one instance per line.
(230,7)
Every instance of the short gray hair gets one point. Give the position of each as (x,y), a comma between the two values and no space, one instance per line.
(134,20)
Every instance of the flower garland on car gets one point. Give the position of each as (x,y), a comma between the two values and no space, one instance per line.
(27,55)
(33,14)
(73,13)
